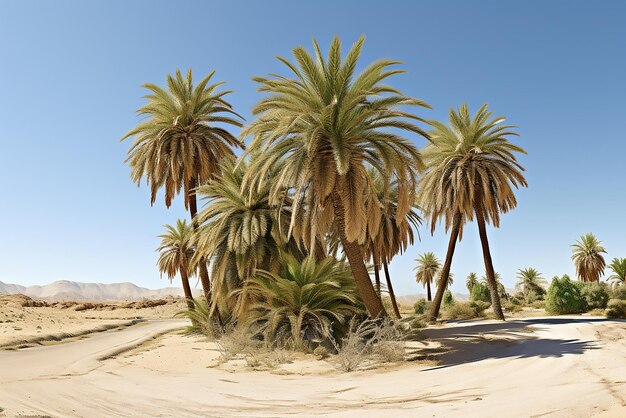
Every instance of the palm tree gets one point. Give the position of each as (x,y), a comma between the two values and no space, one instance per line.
(530,280)
(394,236)
(428,265)
(588,259)
(618,266)
(179,146)
(323,129)
(471,280)
(176,254)
(238,232)
(303,301)
(471,173)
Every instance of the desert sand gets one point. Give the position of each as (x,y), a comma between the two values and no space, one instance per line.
(555,366)
(22,325)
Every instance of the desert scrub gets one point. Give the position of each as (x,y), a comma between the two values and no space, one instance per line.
(371,341)
(596,295)
(465,310)
(511,306)
(619,292)
(564,296)
(616,309)
(237,341)
(421,306)
(447,298)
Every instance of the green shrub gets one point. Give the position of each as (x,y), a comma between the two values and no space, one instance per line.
(619,292)
(480,292)
(616,308)
(421,306)
(564,296)
(447,298)
(596,295)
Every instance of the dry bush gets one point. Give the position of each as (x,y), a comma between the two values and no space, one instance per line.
(236,342)
(371,342)
(616,309)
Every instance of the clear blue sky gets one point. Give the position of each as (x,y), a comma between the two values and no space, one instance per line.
(70,76)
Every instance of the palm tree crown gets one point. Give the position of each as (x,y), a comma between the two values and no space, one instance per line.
(530,279)
(428,266)
(618,266)
(471,280)
(326,125)
(588,259)
(179,145)
(177,250)
(471,167)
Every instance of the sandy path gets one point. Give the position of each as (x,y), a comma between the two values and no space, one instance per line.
(564,367)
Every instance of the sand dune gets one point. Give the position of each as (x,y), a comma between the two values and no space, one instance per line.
(561,367)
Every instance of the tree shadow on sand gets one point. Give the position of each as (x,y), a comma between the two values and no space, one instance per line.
(469,342)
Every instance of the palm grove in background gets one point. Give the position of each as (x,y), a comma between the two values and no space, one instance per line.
(328,190)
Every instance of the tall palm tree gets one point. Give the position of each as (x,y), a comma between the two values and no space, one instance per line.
(323,128)
(530,280)
(588,259)
(471,172)
(471,280)
(238,232)
(618,266)
(428,266)
(179,145)
(176,254)
(394,236)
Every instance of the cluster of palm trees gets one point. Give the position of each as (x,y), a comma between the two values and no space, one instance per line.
(328,173)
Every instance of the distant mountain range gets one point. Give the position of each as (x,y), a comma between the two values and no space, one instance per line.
(67,290)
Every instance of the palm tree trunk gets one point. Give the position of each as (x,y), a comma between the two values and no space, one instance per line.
(491,276)
(354,253)
(187,289)
(445,272)
(204,273)
(428,295)
(392,295)
(376,272)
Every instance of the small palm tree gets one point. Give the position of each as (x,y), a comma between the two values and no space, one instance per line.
(472,171)
(471,280)
(180,144)
(321,130)
(303,301)
(394,235)
(239,231)
(618,266)
(428,265)
(176,255)
(530,280)
(588,259)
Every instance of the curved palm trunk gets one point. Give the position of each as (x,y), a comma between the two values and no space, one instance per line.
(428,295)
(187,289)
(376,272)
(445,272)
(354,253)
(204,272)
(491,276)
(392,295)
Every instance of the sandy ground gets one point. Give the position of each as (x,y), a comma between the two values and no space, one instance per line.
(562,367)
(23,325)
